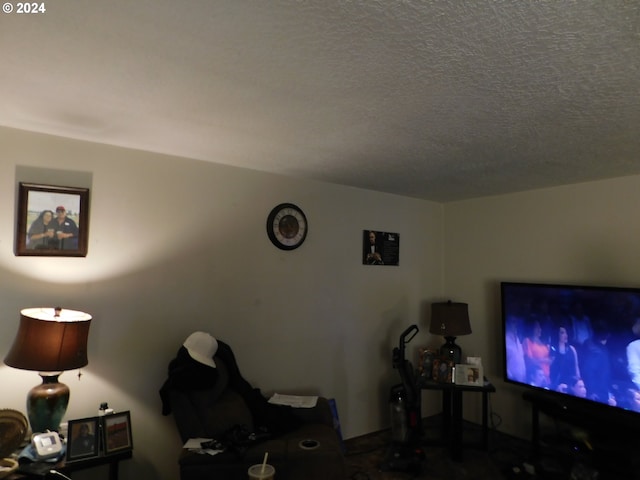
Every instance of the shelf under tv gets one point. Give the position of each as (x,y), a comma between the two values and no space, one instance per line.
(604,439)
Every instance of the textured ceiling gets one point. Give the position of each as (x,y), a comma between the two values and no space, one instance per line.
(430,99)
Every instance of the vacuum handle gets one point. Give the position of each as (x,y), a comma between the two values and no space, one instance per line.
(399,355)
(413,329)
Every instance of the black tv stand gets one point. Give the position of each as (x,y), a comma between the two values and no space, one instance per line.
(606,444)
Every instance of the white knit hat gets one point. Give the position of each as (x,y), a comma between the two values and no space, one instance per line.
(202,347)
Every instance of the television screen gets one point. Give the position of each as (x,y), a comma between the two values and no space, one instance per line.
(574,341)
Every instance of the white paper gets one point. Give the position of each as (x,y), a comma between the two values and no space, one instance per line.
(195,445)
(474,360)
(296,401)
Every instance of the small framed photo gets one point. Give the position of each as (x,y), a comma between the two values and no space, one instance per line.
(52,221)
(470,375)
(426,357)
(117,433)
(443,370)
(83,439)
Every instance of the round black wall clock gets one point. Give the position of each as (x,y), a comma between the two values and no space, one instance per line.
(287,226)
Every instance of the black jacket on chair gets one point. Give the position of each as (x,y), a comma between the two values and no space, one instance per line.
(186,374)
(219,403)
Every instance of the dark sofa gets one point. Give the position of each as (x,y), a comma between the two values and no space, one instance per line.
(225,407)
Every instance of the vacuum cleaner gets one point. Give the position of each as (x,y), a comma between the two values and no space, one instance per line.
(405,453)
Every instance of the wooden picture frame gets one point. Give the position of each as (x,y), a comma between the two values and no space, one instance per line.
(83,439)
(52,221)
(117,433)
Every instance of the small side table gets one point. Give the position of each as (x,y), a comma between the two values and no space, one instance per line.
(67,468)
(452,411)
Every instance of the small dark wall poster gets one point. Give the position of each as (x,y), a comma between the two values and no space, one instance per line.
(380,248)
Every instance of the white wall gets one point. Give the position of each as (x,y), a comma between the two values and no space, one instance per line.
(177,245)
(578,234)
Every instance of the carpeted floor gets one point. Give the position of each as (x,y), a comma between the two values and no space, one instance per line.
(366,454)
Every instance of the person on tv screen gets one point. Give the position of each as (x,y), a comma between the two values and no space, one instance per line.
(632,400)
(633,355)
(575,386)
(580,325)
(564,359)
(537,353)
(516,368)
(537,378)
(595,365)
(578,388)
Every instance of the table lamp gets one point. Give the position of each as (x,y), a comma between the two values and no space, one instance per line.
(49,341)
(451,320)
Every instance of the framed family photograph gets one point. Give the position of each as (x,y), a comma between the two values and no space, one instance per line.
(52,221)
(442,370)
(117,433)
(83,439)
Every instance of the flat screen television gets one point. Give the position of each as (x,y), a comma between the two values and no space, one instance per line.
(577,346)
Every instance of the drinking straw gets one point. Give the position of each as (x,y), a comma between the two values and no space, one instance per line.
(264,463)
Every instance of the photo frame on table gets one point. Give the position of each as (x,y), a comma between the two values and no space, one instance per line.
(442,370)
(469,375)
(83,439)
(52,221)
(117,433)
(426,357)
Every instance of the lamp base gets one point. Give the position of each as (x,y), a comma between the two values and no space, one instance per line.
(450,350)
(47,403)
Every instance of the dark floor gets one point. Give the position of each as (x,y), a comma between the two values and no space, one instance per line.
(365,456)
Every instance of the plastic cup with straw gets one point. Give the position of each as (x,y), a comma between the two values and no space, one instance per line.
(262,471)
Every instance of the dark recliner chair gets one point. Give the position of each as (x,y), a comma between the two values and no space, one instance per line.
(218,403)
